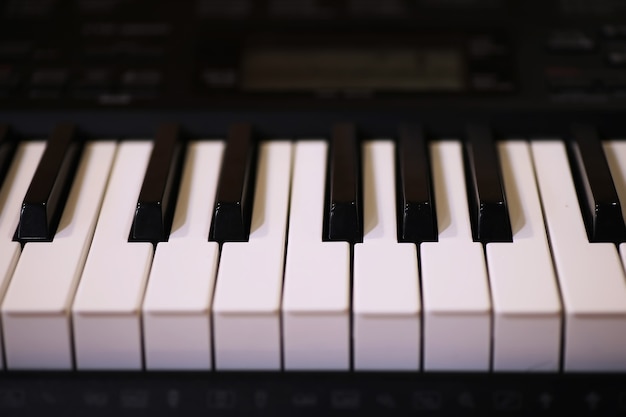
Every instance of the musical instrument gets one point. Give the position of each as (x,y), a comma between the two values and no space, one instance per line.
(354,207)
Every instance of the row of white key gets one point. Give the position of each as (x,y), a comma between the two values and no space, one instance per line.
(502,312)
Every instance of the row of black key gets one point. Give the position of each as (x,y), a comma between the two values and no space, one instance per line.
(45,198)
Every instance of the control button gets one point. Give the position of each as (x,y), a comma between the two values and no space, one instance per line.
(47,84)
(12,398)
(303,399)
(218,9)
(50,399)
(100,52)
(261,399)
(592,401)
(545,401)
(221,399)
(614,31)
(377,8)
(571,85)
(490,82)
(219,77)
(386,401)
(49,78)
(138,50)
(570,41)
(466,401)
(510,401)
(141,78)
(44,94)
(134,399)
(100,7)
(141,84)
(34,9)
(616,56)
(9,78)
(345,400)
(172,399)
(15,49)
(94,78)
(481,47)
(46,53)
(427,400)
(95,399)
(92,83)
(128,95)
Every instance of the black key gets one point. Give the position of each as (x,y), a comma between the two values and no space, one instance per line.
(8,143)
(157,198)
(417,221)
(48,190)
(235,192)
(343,215)
(489,214)
(597,196)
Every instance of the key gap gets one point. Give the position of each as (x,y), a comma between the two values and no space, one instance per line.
(419,283)
(141,316)
(350,309)
(281,326)
(493,311)
(553,263)
(211,315)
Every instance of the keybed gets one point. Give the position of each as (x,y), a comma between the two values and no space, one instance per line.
(285,286)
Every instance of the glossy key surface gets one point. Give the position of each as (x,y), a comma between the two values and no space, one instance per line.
(157,198)
(235,193)
(46,196)
(344,217)
(417,219)
(487,202)
(599,203)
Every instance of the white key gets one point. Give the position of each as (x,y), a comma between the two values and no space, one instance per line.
(107,327)
(316,294)
(176,309)
(455,291)
(35,311)
(246,308)
(615,151)
(526,305)
(12,194)
(386,301)
(590,274)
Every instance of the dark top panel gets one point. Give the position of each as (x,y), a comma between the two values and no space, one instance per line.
(225,54)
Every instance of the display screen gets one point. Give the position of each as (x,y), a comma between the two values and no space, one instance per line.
(410,69)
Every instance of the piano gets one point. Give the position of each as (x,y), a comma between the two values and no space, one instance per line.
(304,207)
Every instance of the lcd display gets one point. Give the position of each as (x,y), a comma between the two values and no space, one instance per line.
(271,69)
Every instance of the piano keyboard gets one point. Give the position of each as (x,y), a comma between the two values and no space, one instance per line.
(239,265)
